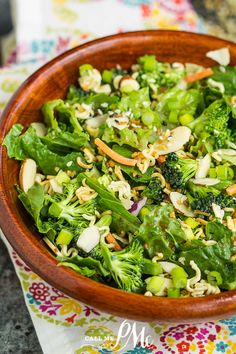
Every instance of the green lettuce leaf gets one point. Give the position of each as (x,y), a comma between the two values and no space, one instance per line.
(107,201)
(12,141)
(215,257)
(137,139)
(81,263)
(161,233)
(136,101)
(46,160)
(226,77)
(64,141)
(179,101)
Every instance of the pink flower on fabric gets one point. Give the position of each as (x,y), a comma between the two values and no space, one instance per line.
(39,291)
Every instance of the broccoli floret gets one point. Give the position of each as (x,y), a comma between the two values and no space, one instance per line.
(125,266)
(177,171)
(201,198)
(64,206)
(214,121)
(154,191)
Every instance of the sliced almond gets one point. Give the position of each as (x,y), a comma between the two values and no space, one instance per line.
(178,200)
(203,166)
(221,56)
(206,181)
(178,137)
(40,128)
(27,174)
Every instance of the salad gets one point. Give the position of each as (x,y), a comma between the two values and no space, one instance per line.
(131,179)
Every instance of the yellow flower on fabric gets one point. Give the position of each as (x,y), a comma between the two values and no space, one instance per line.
(192,347)
(69,305)
(110,344)
(210,347)
(87,349)
(170,341)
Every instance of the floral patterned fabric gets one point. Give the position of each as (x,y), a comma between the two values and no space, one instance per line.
(64,325)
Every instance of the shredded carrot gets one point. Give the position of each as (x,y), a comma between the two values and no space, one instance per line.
(231,190)
(161,159)
(198,76)
(114,155)
(111,239)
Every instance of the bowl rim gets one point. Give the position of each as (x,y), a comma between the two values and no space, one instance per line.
(81,287)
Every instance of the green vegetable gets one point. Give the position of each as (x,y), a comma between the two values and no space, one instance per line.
(215,257)
(125,266)
(84,69)
(173,292)
(177,171)
(186,118)
(191,222)
(64,237)
(148,62)
(136,101)
(202,197)
(95,266)
(179,277)
(180,102)
(154,191)
(108,201)
(214,120)
(155,284)
(159,232)
(214,278)
(64,142)
(64,207)
(107,76)
(138,139)
(47,161)
(227,77)
(152,268)
(12,141)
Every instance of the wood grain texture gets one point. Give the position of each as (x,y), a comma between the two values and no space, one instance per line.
(52,81)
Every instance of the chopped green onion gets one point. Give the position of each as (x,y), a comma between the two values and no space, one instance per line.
(104,221)
(62,177)
(224,172)
(221,171)
(144,211)
(152,268)
(149,62)
(214,278)
(186,119)
(64,237)
(173,117)
(83,69)
(148,117)
(155,284)
(191,223)
(173,292)
(212,173)
(107,76)
(179,277)
(189,233)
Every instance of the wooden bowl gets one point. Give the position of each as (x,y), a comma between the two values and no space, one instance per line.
(52,81)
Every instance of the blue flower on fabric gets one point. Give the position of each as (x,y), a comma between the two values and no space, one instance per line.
(139,350)
(221,346)
(231,323)
(105,351)
(32,300)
